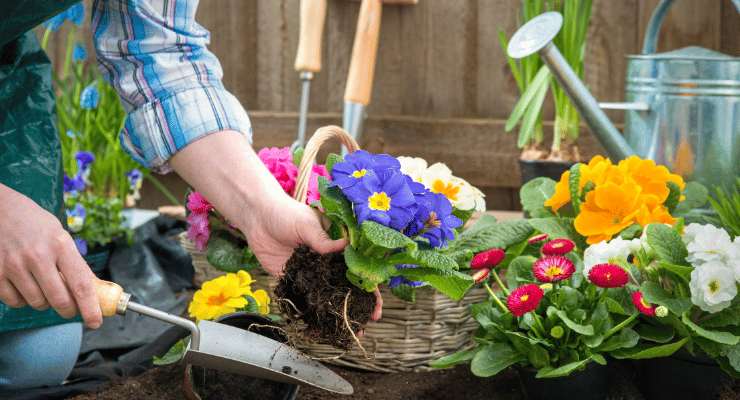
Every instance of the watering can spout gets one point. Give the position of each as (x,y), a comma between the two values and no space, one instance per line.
(536,37)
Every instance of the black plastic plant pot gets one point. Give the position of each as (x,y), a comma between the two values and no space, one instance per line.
(681,376)
(531,169)
(248,387)
(591,383)
(97,258)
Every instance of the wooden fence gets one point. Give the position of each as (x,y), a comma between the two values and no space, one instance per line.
(442,87)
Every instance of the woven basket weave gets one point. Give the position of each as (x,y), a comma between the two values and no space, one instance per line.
(409,336)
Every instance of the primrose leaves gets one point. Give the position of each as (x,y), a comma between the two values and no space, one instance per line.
(385,237)
(564,370)
(451,283)
(501,235)
(338,209)
(667,243)
(367,272)
(642,351)
(533,195)
(655,294)
(494,358)
(587,330)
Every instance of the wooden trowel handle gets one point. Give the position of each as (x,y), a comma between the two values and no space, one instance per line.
(364,53)
(313,14)
(110,297)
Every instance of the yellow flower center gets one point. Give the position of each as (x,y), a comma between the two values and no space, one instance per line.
(714,286)
(557,245)
(70,220)
(645,303)
(379,201)
(553,271)
(359,173)
(217,300)
(448,189)
(433,221)
(524,298)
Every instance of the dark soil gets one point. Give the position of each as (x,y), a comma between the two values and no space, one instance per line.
(317,287)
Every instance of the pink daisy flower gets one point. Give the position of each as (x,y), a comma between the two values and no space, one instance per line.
(643,306)
(558,247)
(553,268)
(608,276)
(524,299)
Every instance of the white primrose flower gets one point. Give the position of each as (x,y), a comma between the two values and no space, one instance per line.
(614,251)
(734,258)
(413,167)
(713,286)
(707,243)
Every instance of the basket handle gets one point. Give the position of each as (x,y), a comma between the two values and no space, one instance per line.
(321,136)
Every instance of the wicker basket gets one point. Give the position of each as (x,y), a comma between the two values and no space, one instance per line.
(409,336)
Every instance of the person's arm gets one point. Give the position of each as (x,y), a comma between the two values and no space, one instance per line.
(182,118)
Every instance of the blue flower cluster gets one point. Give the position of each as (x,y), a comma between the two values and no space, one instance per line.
(380,192)
(75,14)
(90,97)
(79,53)
(72,186)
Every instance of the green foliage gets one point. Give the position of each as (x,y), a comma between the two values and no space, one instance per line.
(385,237)
(715,336)
(453,359)
(174,354)
(655,294)
(564,370)
(696,197)
(501,235)
(298,156)
(574,181)
(642,351)
(533,195)
(730,316)
(558,227)
(674,195)
(103,221)
(229,254)
(339,210)
(371,271)
(494,358)
(452,284)
(332,159)
(405,292)
(726,203)
(667,243)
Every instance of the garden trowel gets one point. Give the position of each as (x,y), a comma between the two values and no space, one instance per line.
(226,348)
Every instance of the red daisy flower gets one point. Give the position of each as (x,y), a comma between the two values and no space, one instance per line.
(553,268)
(537,238)
(487,259)
(481,274)
(608,276)
(524,299)
(642,305)
(558,247)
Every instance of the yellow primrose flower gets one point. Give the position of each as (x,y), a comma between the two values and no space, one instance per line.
(608,209)
(245,280)
(652,178)
(597,171)
(263,300)
(219,296)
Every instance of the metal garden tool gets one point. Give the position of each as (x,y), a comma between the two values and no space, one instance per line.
(682,109)
(362,64)
(226,348)
(308,58)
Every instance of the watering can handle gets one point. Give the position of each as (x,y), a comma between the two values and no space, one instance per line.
(656,21)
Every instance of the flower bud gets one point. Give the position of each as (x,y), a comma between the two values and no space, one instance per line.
(481,274)
(546,286)
(557,331)
(661,311)
(487,259)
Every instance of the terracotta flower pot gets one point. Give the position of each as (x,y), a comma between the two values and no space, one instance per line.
(591,383)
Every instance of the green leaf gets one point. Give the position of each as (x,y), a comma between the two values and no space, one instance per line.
(674,195)
(453,359)
(557,227)
(463,215)
(405,292)
(429,258)
(540,80)
(537,356)
(733,356)
(371,271)
(666,243)
(730,316)
(655,294)
(173,355)
(331,160)
(601,323)
(338,209)
(298,156)
(642,351)
(614,307)
(587,330)
(717,336)
(564,370)
(252,306)
(531,117)
(534,194)
(385,237)
(574,187)
(494,358)
(655,333)
(682,271)
(626,338)
(631,232)
(696,197)
(361,283)
(520,271)
(452,284)
(224,253)
(501,235)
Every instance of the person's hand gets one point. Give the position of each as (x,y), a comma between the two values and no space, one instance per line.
(34,249)
(281,225)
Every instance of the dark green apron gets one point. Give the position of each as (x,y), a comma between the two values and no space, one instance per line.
(30,153)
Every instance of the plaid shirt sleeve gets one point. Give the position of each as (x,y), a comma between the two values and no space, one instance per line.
(155,55)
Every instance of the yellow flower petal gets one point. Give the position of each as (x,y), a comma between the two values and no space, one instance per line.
(244,278)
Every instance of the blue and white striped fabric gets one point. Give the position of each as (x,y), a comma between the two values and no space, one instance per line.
(155,55)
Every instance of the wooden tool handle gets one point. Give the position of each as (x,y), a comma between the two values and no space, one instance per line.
(109,296)
(364,53)
(313,14)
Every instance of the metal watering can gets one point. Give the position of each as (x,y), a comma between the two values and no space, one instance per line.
(682,109)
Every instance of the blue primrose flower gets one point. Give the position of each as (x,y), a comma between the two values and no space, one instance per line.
(90,97)
(134,179)
(385,198)
(81,245)
(397,281)
(440,224)
(356,166)
(79,53)
(84,159)
(76,218)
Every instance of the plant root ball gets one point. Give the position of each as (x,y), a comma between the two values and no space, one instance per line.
(314,289)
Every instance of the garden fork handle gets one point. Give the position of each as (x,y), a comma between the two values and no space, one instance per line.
(113,300)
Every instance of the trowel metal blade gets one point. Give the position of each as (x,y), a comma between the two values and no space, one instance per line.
(231,349)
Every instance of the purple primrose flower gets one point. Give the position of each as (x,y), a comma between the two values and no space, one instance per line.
(385,198)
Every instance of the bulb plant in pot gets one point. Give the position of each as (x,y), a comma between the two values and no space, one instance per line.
(573,301)
(534,81)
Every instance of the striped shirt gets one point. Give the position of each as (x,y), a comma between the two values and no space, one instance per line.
(155,55)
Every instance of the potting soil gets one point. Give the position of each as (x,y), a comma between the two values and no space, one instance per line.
(314,289)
